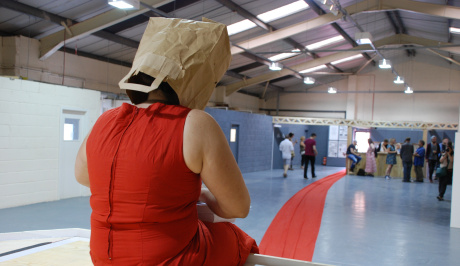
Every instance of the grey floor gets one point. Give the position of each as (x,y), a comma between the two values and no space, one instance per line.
(366,221)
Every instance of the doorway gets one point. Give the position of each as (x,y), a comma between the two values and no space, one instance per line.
(234,137)
(72,133)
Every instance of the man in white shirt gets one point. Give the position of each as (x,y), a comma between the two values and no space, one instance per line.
(286,149)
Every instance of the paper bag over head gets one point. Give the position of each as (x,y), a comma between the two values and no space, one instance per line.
(191,56)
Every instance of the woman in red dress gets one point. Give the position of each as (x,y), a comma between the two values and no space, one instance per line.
(145,164)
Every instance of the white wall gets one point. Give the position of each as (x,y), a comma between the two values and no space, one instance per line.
(455,208)
(19,56)
(30,115)
(236,101)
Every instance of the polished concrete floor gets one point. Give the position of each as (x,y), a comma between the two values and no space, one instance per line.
(366,221)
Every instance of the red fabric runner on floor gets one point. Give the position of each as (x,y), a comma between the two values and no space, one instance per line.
(293,232)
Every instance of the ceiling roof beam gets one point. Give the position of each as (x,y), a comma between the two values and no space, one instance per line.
(247,67)
(95,57)
(445,57)
(403,30)
(248,15)
(53,42)
(62,21)
(449,34)
(392,21)
(35,12)
(233,74)
(444,11)
(245,14)
(395,39)
(370,5)
(303,26)
(401,39)
(400,22)
(319,11)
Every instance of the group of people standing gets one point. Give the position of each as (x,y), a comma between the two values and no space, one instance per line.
(308,152)
(438,156)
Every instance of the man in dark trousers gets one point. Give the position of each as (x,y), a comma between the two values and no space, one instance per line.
(432,156)
(310,153)
(353,155)
(407,150)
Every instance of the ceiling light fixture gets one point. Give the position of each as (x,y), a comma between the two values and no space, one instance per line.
(385,64)
(309,80)
(363,37)
(274,66)
(399,80)
(332,90)
(408,90)
(124,4)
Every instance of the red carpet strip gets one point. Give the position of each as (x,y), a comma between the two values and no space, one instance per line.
(294,230)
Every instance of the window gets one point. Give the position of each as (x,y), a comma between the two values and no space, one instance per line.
(233,135)
(362,138)
(268,16)
(71,129)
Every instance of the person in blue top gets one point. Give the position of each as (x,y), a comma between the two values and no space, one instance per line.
(419,156)
(391,158)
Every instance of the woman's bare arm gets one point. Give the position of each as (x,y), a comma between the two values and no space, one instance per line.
(81,165)
(207,152)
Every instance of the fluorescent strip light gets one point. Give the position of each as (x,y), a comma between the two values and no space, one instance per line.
(454,30)
(399,80)
(240,26)
(312,69)
(323,43)
(124,4)
(275,66)
(332,90)
(283,11)
(268,16)
(347,59)
(309,80)
(282,56)
(408,90)
(385,64)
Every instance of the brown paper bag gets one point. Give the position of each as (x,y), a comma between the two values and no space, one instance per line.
(191,56)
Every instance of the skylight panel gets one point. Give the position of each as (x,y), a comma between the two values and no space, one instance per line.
(240,26)
(326,42)
(283,11)
(454,30)
(281,56)
(308,70)
(268,16)
(351,58)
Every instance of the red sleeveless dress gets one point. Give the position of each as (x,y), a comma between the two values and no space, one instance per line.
(144,196)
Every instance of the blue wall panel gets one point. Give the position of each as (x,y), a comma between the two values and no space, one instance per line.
(255,137)
(379,134)
(298,130)
(441,134)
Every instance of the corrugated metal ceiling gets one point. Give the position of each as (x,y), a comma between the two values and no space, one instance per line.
(378,23)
